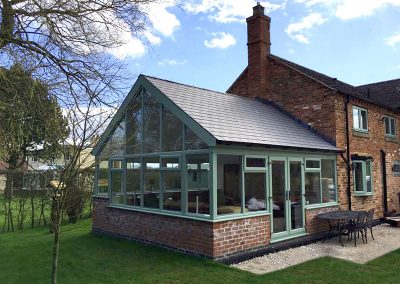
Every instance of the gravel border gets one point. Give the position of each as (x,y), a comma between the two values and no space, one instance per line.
(387,239)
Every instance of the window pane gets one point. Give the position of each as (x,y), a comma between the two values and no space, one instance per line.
(102,182)
(133,182)
(151,182)
(312,164)
(279,208)
(172,190)
(198,192)
(356,120)
(387,125)
(170,163)
(255,191)
(312,188)
(368,176)
(117,143)
(151,127)
(228,193)
(117,164)
(328,181)
(134,126)
(364,120)
(172,132)
(116,187)
(358,176)
(392,127)
(193,142)
(255,162)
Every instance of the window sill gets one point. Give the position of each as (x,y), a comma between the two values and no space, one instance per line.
(321,205)
(361,133)
(392,139)
(105,196)
(363,194)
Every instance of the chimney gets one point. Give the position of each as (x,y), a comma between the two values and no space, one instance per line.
(258,44)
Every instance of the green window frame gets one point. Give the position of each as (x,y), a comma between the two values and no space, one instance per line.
(327,194)
(360,119)
(363,177)
(255,166)
(390,126)
(396,168)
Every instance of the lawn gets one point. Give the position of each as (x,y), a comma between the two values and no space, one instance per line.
(86,258)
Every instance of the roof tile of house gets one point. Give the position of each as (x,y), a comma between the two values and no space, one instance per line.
(385,93)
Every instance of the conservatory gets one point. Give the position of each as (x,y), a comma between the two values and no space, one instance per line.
(208,173)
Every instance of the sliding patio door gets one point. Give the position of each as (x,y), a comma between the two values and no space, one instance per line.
(287,196)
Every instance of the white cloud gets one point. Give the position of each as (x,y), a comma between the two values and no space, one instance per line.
(221,40)
(227,11)
(162,20)
(393,40)
(351,9)
(297,30)
(172,62)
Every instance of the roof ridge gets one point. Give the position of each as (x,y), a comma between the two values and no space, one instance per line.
(312,70)
(191,86)
(377,83)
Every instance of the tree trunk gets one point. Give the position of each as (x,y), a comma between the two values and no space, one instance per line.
(55,223)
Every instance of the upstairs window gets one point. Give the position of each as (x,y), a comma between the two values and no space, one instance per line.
(390,126)
(362,174)
(396,168)
(360,119)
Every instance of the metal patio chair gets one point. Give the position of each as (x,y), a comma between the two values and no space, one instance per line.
(369,223)
(356,226)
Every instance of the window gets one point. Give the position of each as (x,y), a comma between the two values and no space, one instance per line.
(117,179)
(396,168)
(133,172)
(171,183)
(360,119)
(198,168)
(102,178)
(172,132)
(255,163)
(117,142)
(151,124)
(229,197)
(134,115)
(362,171)
(193,142)
(255,184)
(320,181)
(151,182)
(390,126)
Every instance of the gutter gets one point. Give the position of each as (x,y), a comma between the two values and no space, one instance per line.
(348,164)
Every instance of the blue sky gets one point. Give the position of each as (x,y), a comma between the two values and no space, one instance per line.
(203,43)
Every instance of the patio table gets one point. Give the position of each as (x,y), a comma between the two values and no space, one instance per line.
(337,219)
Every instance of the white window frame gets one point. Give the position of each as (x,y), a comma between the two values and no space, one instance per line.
(360,121)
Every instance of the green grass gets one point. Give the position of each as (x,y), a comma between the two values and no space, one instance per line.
(86,258)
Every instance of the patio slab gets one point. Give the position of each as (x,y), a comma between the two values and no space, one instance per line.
(387,239)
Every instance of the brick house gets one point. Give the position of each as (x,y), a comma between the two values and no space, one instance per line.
(225,175)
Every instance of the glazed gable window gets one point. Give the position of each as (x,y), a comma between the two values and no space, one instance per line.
(360,119)
(390,126)
(362,175)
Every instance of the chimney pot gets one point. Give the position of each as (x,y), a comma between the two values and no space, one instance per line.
(258,9)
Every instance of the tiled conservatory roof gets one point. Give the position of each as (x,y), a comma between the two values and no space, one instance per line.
(231,118)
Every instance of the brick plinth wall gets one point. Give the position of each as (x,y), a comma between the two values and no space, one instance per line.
(315,225)
(213,240)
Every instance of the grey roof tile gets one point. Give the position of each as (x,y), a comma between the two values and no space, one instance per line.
(233,118)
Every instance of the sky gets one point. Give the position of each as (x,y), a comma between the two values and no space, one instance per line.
(203,42)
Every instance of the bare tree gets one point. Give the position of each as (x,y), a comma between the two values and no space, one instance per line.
(66,44)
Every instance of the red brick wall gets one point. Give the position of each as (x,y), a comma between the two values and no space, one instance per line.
(315,225)
(304,98)
(214,240)
(241,235)
(370,145)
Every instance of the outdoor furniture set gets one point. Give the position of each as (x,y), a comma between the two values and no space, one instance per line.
(349,223)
